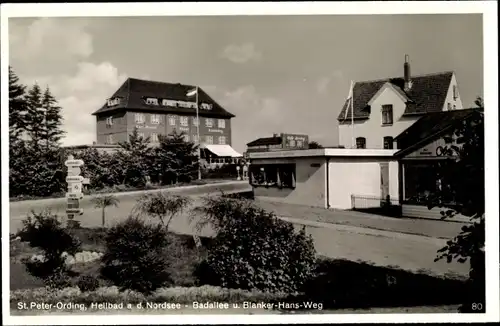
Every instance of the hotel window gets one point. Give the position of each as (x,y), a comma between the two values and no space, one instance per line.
(387,114)
(139,118)
(455,92)
(300,143)
(388,142)
(186,138)
(110,139)
(222,140)
(171,120)
(361,142)
(209,139)
(449,106)
(109,121)
(221,123)
(184,121)
(154,137)
(195,138)
(152,101)
(454,107)
(155,119)
(209,123)
(292,143)
(272,175)
(196,121)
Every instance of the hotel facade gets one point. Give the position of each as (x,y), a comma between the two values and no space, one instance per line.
(159,108)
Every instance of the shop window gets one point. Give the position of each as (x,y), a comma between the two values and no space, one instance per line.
(361,142)
(273,175)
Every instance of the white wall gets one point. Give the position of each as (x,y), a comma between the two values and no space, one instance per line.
(310,182)
(372,128)
(449,97)
(359,176)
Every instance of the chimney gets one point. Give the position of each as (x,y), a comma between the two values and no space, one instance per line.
(407,76)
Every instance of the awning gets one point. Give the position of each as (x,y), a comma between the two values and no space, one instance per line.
(222,150)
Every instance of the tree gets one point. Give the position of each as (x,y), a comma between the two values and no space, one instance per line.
(314,144)
(103,202)
(17,107)
(479,102)
(462,185)
(161,206)
(35,117)
(136,156)
(176,159)
(52,132)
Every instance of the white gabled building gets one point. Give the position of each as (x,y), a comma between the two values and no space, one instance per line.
(384,108)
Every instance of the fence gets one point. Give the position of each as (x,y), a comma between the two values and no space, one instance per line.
(376,205)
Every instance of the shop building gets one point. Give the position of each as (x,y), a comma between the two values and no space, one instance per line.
(421,156)
(279,142)
(327,177)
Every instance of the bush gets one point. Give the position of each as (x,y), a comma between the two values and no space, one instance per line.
(134,257)
(253,249)
(87,283)
(161,206)
(44,231)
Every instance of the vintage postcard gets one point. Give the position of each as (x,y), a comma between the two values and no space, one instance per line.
(250,162)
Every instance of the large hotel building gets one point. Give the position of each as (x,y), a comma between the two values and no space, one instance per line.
(158,108)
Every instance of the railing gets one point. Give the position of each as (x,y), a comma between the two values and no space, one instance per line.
(376,205)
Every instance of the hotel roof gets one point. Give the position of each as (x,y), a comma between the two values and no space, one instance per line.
(133,92)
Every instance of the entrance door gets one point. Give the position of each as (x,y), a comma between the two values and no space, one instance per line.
(384,184)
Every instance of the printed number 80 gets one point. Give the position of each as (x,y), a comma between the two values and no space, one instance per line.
(477,306)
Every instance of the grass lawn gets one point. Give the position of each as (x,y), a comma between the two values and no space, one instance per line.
(340,285)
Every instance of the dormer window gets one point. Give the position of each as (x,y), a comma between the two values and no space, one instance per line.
(387,116)
(206,106)
(151,101)
(113,101)
(109,121)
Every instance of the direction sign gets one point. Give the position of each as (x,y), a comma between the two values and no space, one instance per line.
(74,171)
(74,211)
(74,195)
(75,187)
(73,163)
(74,178)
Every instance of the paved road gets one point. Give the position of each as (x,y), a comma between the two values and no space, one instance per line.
(92,216)
(354,237)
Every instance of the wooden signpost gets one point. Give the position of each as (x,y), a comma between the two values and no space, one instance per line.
(75,186)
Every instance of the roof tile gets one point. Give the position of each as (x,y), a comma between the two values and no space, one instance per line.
(427,94)
(133,91)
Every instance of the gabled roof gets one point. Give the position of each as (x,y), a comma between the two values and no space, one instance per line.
(427,94)
(133,92)
(265,141)
(429,127)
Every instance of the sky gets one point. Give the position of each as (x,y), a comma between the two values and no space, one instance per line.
(274,73)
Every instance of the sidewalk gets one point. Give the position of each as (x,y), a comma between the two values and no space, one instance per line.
(422,227)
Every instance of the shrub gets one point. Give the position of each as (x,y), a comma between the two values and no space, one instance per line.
(44,231)
(87,283)
(253,249)
(161,206)
(134,257)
